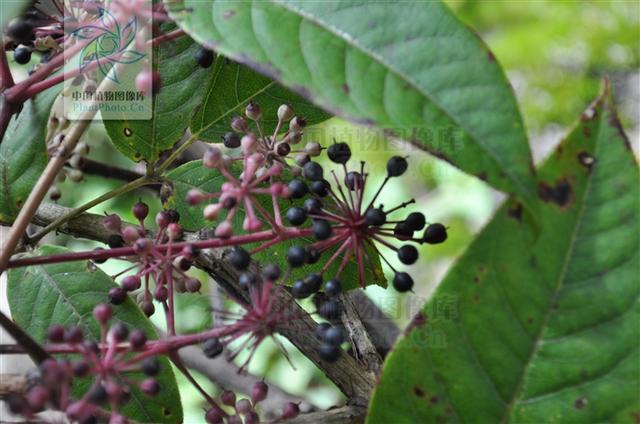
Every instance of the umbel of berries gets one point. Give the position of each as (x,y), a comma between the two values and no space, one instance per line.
(347,224)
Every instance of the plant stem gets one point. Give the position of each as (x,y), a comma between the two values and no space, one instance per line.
(80,209)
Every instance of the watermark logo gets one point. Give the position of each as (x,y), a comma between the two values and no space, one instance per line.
(109,45)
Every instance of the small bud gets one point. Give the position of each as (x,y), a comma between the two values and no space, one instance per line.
(297,124)
(150,386)
(102,313)
(130,234)
(142,245)
(313,149)
(162,219)
(147,307)
(193,285)
(243,406)
(239,124)
(253,111)
(248,143)
(112,223)
(251,224)
(214,416)
(75,175)
(140,210)
(259,392)
(227,397)
(212,157)
(212,211)
(302,158)
(148,82)
(174,231)
(290,410)
(285,113)
(224,230)
(194,197)
(293,138)
(161,293)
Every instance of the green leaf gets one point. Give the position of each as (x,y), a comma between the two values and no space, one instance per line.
(412,69)
(230,90)
(23,153)
(173,106)
(536,326)
(9,9)
(193,175)
(66,294)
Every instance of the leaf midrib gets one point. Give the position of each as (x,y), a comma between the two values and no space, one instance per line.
(558,286)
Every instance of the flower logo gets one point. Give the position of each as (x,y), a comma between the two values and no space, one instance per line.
(108,44)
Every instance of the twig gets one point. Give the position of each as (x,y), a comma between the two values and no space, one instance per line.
(92,167)
(343,415)
(359,336)
(31,347)
(11,384)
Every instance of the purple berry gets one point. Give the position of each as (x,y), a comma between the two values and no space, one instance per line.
(102,313)
(140,210)
(150,386)
(259,392)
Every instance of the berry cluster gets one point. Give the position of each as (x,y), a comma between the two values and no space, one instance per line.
(109,362)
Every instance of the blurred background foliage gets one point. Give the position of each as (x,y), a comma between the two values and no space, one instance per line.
(554,53)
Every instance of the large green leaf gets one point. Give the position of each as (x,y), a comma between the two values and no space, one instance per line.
(66,293)
(230,90)
(533,326)
(23,153)
(173,106)
(193,175)
(411,68)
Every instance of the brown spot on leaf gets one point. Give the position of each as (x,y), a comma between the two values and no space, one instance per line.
(515,212)
(229,14)
(586,131)
(614,121)
(586,160)
(529,320)
(581,403)
(476,279)
(555,306)
(559,193)
(635,416)
(482,175)
(589,114)
(491,56)
(345,88)
(418,391)
(434,400)
(476,298)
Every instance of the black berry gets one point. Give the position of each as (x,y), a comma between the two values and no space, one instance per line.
(150,366)
(434,234)
(173,215)
(402,230)
(396,166)
(313,282)
(20,30)
(333,336)
(313,256)
(119,331)
(117,295)
(332,287)
(296,256)
(415,221)
(331,309)
(271,272)
(212,347)
(140,210)
(137,339)
(231,140)
(321,229)
(296,216)
(313,171)
(402,282)
(239,258)
(313,206)
(375,217)
(115,241)
(298,189)
(300,290)
(320,188)
(339,152)
(247,280)
(321,329)
(329,353)
(22,55)
(204,57)
(353,180)
(408,254)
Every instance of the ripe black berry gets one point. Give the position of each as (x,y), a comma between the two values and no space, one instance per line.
(296,216)
(239,258)
(408,254)
(296,256)
(329,353)
(231,140)
(402,282)
(117,295)
(247,279)
(150,366)
(204,57)
(20,30)
(415,221)
(339,152)
(333,336)
(396,166)
(313,171)
(375,217)
(271,272)
(137,339)
(321,229)
(353,180)
(55,333)
(434,234)
(99,261)
(331,309)
(119,331)
(313,256)
(321,329)
(298,189)
(73,335)
(115,241)
(313,206)
(320,188)
(173,215)
(313,282)
(22,55)
(97,394)
(402,231)
(300,290)
(332,287)
(212,347)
